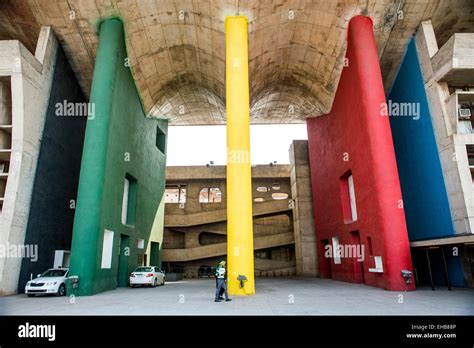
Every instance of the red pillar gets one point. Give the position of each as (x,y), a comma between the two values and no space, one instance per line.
(355,137)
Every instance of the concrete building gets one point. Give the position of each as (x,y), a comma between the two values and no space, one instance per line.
(43,125)
(393,194)
(435,160)
(38,178)
(195,220)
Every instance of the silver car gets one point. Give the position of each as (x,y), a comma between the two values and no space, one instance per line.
(53,281)
(147,275)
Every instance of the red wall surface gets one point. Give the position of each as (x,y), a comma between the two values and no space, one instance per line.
(354,136)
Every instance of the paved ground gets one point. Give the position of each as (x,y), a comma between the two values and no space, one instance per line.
(275,296)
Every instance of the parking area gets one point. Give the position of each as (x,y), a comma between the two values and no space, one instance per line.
(275,296)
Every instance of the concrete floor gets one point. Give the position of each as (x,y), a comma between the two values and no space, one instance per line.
(195,297)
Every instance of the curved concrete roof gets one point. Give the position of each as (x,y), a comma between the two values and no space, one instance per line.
(177,47)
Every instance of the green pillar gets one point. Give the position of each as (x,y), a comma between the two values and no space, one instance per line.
(86,247)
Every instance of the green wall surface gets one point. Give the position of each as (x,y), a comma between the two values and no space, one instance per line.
(120,141)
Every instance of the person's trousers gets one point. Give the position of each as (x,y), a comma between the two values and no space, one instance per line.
(221,284)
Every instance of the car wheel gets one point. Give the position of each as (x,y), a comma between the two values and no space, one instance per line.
(155,283)
(30,295)
(61,290)
(132,285)
(163,281)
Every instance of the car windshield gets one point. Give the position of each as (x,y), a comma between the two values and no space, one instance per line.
(144,269)
(54,273)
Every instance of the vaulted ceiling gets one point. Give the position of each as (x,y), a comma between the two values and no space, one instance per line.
(177,48)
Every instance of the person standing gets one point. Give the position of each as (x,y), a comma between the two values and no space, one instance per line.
(221,276)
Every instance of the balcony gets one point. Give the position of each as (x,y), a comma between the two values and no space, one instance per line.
(454,62)
(460,108)
(6,128)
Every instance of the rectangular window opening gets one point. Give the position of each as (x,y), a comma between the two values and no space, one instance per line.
(348,197)
(129,200)
(107,248)
(160,140)
(210,195)
(465,110)
(175,193)
(470,159)
(335,250)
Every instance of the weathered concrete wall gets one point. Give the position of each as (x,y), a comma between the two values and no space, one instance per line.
(31,78)
(451,145)
(451,65)
(197,178)
(453,62)
(281,263)
(176,173)
(303,221)
(57,174)
(196,233)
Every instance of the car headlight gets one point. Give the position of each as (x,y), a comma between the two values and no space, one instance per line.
(51,283)
(28,284)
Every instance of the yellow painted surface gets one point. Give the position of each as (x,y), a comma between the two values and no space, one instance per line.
(156,234)
(239,182)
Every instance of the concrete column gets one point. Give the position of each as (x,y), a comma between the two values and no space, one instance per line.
(86,233)
(239,182)
(303,221)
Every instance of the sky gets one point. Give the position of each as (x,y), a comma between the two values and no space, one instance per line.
(198,145)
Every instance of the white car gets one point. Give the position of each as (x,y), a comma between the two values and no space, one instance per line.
(147,275)
(53,281)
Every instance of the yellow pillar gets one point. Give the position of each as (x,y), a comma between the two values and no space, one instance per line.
(239,181)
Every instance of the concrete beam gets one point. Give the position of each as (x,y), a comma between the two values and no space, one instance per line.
(208,251)
(176,173)
(443,241)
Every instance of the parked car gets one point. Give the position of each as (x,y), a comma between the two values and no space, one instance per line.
(147,275)
(52,281)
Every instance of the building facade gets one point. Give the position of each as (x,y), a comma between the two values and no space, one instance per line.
(118,220)
(380,194)
(434,143)
(195,235)
(40,154)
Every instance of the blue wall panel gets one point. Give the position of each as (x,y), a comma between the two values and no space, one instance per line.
(424,193)
(425,199)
